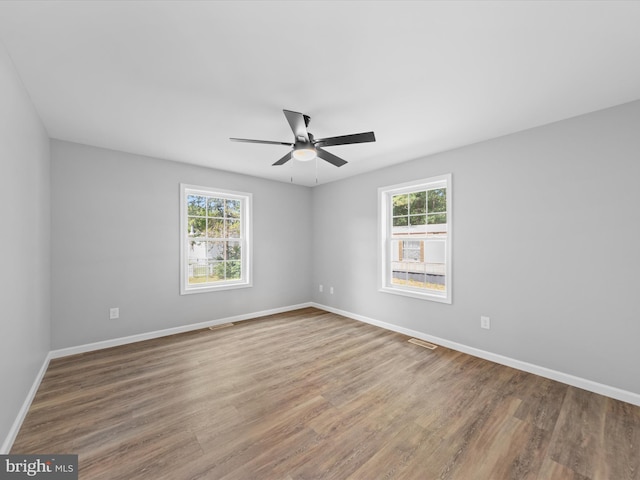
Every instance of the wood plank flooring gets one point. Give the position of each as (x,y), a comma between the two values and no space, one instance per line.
(313,395)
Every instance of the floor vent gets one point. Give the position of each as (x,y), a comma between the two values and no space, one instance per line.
(218,327)
(422,343)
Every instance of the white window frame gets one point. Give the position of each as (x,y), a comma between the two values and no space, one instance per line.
(385,211)
(246,201)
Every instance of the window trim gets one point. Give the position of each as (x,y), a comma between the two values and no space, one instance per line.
(385,244)
(246,279)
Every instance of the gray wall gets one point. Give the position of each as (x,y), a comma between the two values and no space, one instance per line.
(25,249)
(115,243)
(546,235)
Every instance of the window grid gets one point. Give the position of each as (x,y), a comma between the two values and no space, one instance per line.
(221,222)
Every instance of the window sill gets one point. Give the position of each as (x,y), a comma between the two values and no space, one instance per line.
(214,288)
(433,297)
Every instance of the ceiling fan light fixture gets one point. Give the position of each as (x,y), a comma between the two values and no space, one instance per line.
(305,154)
(305,148)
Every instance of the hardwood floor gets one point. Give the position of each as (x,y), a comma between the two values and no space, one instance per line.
(313,395)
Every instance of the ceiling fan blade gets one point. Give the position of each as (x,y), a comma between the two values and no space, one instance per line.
(346,139)
(330,157)
(283,160)
(298,125)
(268,142)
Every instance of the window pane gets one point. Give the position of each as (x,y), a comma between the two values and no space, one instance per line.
(437,200)
(197,250)
(398,277)
(215,250)
(426,281)
(417,202)
(233,208)
(417,280)
(234,270)
(215,207)
(411,254)
(400,204)
(417,275)
(197,273)
(435,256)
(396,250)
(196,205)
(195,227)
(233,250)
(216,271)
(409,251)
(215,228)
(233,228)
(418,219)
(437,218)
(400,221)
(197,262)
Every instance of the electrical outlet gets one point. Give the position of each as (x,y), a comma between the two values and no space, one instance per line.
(321,288)
(485,322)
(114,313)
(331,290)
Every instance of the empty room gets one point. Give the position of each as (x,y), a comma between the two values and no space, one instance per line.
(320,240)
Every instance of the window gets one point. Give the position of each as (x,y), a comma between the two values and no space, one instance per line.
(415,238)
(215,239)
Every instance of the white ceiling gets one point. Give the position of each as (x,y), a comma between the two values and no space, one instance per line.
(175,80)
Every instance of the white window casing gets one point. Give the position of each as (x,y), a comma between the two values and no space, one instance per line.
(215,239)
(415,238)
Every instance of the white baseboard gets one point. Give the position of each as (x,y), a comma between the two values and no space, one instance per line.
(17,423)
(565,378)
(89,347)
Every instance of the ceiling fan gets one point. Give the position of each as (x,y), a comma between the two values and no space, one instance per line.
(305,147)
